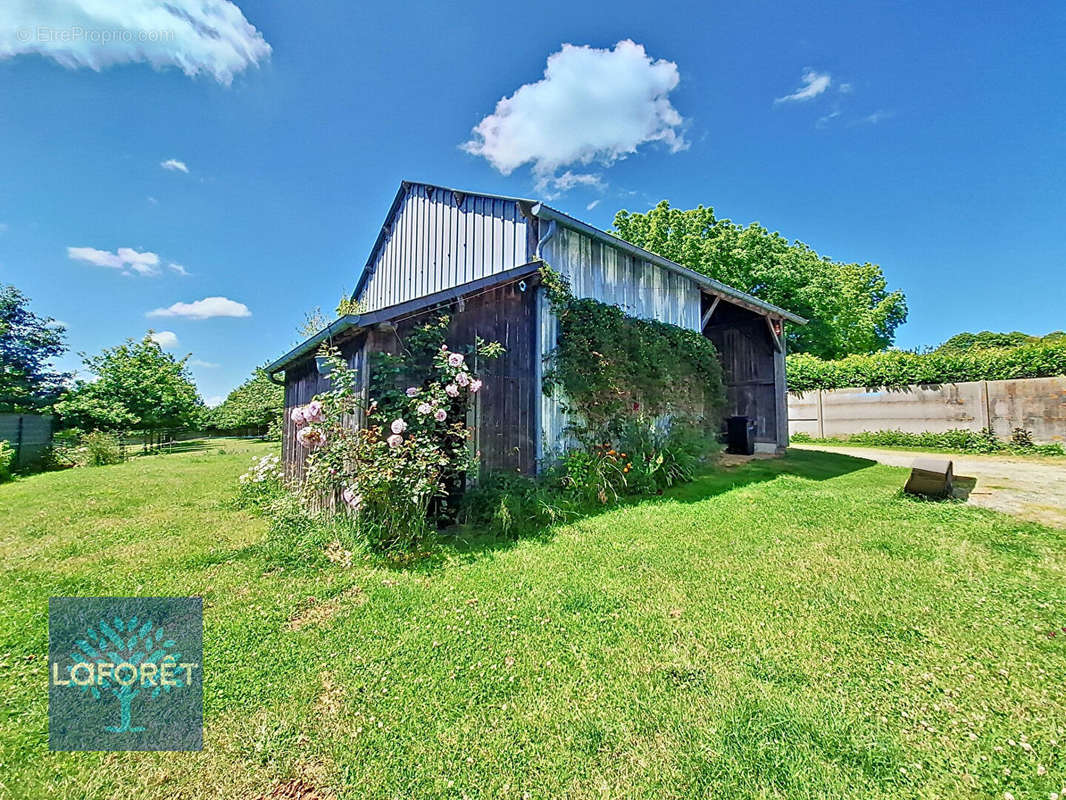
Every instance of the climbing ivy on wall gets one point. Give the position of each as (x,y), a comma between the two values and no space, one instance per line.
(612,367)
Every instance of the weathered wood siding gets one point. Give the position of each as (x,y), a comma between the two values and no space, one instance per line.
(504,410)
(609,274)
(439,239)
(302,383)
(749,367)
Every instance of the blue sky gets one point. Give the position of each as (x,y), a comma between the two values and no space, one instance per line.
(921,136)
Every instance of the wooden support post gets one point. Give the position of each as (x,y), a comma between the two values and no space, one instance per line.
(709,312)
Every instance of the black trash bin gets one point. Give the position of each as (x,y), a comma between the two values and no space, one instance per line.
(740,435)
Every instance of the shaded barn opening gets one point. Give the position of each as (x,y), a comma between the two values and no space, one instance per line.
(502,414)
(753,365)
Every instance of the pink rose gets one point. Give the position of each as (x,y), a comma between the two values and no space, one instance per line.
(297,416)
(395,441)
(475,385)
(462,378)
(350,498)
(455,360)
(412,391)
(440,415)
(424,408)
(310,437)
(313,411)
(398,426)
(452,390)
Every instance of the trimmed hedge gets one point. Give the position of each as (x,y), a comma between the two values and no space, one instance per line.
(897,368)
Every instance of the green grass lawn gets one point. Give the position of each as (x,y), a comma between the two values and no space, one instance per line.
(789,628)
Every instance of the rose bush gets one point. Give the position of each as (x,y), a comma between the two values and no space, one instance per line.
(391,475)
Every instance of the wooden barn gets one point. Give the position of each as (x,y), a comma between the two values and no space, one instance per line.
(479,255)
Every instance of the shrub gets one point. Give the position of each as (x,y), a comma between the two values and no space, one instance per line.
(7,457)
(262,484)
(95,449)
(897,368)
(957,439)
(391,478)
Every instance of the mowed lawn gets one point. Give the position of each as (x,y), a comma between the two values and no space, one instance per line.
(789,628)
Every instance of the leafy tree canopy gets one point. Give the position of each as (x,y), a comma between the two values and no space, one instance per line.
(849,306)
(136,386)
(986,340)
(256,403)
(28,343)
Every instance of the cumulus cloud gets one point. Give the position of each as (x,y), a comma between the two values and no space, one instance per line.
(199,38)
(204,309)
(127,259)
(814,83)
(174,165)
(591,106)
(178,268)
(165,339)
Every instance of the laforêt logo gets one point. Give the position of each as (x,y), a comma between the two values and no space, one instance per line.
(125,673)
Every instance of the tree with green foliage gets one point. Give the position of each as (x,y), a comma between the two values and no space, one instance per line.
(28,343)
(849,306)
(136,386)
(988,340)
(257,403)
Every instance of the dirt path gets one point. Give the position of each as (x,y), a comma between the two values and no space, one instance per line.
(1027,487)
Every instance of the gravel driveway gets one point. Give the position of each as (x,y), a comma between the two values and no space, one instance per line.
(1032,488)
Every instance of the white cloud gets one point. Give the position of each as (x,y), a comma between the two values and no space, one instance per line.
(814,83)
(204,309)
(196,36)
(178,268)
(874,118)
(165,339)
(127,259)
(196,362)
(214,400)
(173,164)
(592,105)
(592,205)
(152,201)
(827,118)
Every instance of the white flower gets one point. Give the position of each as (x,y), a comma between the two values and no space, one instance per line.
(424,408)
(412,391)
(395,441)
(475,385)
(455,360)
(463,378)
(398,426)
(452,390)
(440,415)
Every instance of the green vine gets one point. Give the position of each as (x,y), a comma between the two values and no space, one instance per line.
(612,367)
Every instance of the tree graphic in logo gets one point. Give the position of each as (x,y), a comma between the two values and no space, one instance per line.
(126,660)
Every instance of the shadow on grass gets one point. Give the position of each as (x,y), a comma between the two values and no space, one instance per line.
(468,544)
